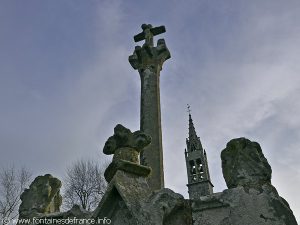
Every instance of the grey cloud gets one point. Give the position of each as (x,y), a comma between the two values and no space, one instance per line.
(235,63)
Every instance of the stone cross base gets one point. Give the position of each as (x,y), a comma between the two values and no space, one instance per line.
(126,166)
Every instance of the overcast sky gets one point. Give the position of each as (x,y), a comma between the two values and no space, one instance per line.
(65,81)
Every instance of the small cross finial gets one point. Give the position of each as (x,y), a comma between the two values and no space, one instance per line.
(148,33)
(189,109)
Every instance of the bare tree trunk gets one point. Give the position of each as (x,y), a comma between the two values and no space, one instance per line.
(12,184)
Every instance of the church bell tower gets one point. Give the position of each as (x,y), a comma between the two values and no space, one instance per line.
(199,183)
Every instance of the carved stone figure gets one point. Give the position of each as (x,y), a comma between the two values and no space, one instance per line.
(42,197)
(126,147)
(251,198)
(244,164)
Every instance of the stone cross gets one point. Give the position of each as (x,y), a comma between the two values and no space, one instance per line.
(148,60)
(148,33)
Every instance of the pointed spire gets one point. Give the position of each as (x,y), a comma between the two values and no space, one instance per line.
(199,183)
(193,138)
(192,131)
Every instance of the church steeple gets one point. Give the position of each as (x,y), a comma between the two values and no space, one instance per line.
(193,140)
(199,183)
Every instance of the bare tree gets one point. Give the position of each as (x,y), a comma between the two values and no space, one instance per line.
(84,185)
(12,184)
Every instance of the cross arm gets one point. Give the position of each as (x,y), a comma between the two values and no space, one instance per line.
(139,37)
(154,31)
(158,30)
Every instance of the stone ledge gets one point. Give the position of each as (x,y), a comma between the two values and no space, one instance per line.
(126,166)
(198,206)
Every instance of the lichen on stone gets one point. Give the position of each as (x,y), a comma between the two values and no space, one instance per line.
(126,147)
(244,164)
(42,197)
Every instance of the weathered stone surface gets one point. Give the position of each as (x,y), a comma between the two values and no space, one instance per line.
(127,167)
(244,164)
(126,147)
(123,199)
(238,206)
(41,198)
(251,199)
(129,200)
(131,143)
(148,55)
(168,208)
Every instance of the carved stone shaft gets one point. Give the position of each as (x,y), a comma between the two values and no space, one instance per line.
(150,122)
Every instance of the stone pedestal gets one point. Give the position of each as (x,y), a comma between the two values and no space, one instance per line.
(130,201)
(126,166)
